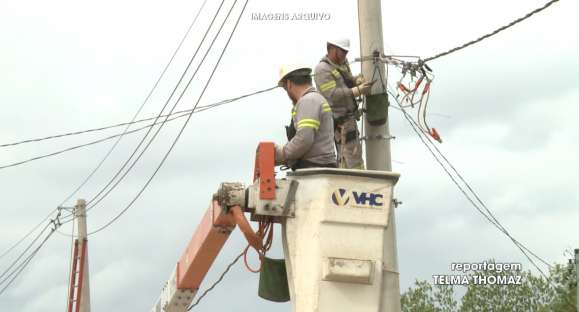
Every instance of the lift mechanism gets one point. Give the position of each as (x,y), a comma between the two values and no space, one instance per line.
(266,199)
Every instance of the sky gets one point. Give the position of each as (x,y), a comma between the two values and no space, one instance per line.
(505,108)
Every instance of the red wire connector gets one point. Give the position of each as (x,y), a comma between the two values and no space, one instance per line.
(434,134)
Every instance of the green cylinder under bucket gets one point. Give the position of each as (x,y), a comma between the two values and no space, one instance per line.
(273,285)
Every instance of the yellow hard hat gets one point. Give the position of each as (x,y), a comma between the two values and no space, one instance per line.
(292,70)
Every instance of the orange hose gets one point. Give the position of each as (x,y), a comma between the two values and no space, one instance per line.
(265,231)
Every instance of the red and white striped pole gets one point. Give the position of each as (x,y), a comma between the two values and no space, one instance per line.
(79,291)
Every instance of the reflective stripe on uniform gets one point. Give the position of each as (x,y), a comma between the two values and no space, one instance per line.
(294,112)
(311,123)
(326,107)
(336,73)
(328,86)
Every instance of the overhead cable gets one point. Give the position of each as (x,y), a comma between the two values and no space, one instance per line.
(7,277)
(186,121)
(488,215)
(548,4)
(219,280)
(103,128)
(179,114)
(106,190)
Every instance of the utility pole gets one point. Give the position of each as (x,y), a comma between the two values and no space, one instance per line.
(378,137)
(82,238)
(79,291)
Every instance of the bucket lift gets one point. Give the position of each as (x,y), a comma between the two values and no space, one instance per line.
(333,224)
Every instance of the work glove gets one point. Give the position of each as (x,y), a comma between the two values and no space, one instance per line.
(279,156)
(362,89)
(359,80)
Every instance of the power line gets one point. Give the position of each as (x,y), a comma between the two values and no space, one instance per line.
(490,217)
(56,136)
(188,111)
(217,281)
(81,146)
(18,270)
(103,128)
(133,121)
(4,276)
(24,264)
(99,165)
(180,114)
(186,121)
(200,109)
(7,251)
(90,202)
(548,4)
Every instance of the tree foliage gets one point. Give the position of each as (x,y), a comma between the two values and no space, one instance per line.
(534,293)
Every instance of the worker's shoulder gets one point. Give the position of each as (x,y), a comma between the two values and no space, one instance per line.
(311,100)
(323,65)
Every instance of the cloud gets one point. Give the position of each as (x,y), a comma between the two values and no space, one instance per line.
(508,126)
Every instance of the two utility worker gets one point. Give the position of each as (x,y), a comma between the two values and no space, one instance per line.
(335,81)
(311,132)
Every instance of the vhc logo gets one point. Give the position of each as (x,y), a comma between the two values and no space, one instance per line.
(341,197)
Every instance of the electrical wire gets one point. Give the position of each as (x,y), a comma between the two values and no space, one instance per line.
(548,4)
(186,122)
(68,149)
(490,217)
(56,136)
(7,251)
(112,180)
(68,218)
(26,262)
(133,121)
(4,276)
(99,165)
(180,114)
(103,128)
(229,266)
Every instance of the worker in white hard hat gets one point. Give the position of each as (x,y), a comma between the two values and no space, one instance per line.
(335,81)
(311,132)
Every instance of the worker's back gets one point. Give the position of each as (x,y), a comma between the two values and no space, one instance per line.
(313,104)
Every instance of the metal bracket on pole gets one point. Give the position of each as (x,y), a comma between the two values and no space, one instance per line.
(377,137)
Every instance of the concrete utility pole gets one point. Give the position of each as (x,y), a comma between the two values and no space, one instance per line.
(80,215)
(378,139)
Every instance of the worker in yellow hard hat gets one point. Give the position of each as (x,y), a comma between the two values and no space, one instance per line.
(335,81)
(311,131)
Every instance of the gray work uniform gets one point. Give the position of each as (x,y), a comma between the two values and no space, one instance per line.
(313,141)
(335,82)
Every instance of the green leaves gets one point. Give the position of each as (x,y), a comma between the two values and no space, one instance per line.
(533,293)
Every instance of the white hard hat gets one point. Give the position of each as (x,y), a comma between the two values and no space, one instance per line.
(342,43)
(295,70)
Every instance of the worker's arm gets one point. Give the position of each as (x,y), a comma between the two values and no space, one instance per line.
(327,84)
(307,123)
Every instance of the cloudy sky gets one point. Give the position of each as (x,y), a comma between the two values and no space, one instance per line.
(506,109)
